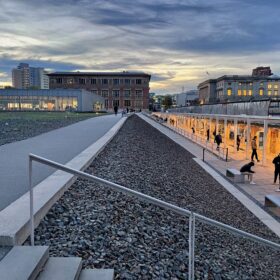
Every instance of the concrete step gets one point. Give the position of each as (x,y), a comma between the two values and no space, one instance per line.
(97,274)
(23,262)
(61,269)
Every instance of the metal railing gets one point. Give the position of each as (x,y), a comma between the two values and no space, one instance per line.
(181,211)
(222,152)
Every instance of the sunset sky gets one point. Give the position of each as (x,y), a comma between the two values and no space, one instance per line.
(177,42)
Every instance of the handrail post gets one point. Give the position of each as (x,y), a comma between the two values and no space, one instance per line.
(191,245)
(227,155)
(31,203)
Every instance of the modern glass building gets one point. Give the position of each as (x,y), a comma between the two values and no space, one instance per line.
(50,100)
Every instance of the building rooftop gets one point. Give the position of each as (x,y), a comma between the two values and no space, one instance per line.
(239,78)
(42,92)
(81,73)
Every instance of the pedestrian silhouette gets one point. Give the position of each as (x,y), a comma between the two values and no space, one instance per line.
(276,162)
(254,149)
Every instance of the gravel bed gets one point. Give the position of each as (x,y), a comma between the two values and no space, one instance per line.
(17,128)
(140,241)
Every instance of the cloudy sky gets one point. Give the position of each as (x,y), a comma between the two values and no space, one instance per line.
(177,41)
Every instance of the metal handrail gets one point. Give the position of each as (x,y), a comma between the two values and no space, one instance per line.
(203,142)
(184,212)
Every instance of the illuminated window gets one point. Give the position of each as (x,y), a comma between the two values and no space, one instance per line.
(240,84)
(261,84)
(244,92)
(261,91)
(269,86)
(269,92)
(229,91)
(276,92)
(276,86)
(250,92)
(250,84)
(239,92)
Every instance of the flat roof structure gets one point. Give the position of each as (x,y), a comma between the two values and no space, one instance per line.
(101,74)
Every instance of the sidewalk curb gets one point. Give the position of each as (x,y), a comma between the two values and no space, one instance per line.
(14,219)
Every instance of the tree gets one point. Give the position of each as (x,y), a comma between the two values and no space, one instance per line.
(167,102)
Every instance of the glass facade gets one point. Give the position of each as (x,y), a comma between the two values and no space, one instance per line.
(48,103)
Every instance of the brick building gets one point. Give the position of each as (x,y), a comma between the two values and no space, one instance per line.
(124,89)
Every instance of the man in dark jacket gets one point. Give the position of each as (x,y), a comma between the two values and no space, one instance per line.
(218,140)
(276,163)
(247,169)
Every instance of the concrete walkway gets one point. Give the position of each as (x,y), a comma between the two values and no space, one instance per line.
(60,145)
(220,166)
(264,173)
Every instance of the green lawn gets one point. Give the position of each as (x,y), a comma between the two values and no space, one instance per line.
(48,116)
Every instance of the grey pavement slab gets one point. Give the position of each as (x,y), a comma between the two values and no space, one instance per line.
(97,274)
(60,145)
(61,268)
(23,262)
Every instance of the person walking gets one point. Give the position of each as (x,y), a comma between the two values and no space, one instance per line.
(208,134)
(276,162)
(218,140)
(254,149)
(238,142)
(116,109)
(193,131)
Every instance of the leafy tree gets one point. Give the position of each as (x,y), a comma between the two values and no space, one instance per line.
(167,101)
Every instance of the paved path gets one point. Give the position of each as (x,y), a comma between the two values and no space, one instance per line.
(221,166)
(59,145)
(264,172)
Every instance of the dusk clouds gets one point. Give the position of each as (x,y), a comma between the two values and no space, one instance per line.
(176,41)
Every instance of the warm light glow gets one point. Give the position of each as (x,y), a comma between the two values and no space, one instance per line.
(269,86)
(250,92)
(269,92)
(229,91)
(244,92)
(261,91)
(239,93)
